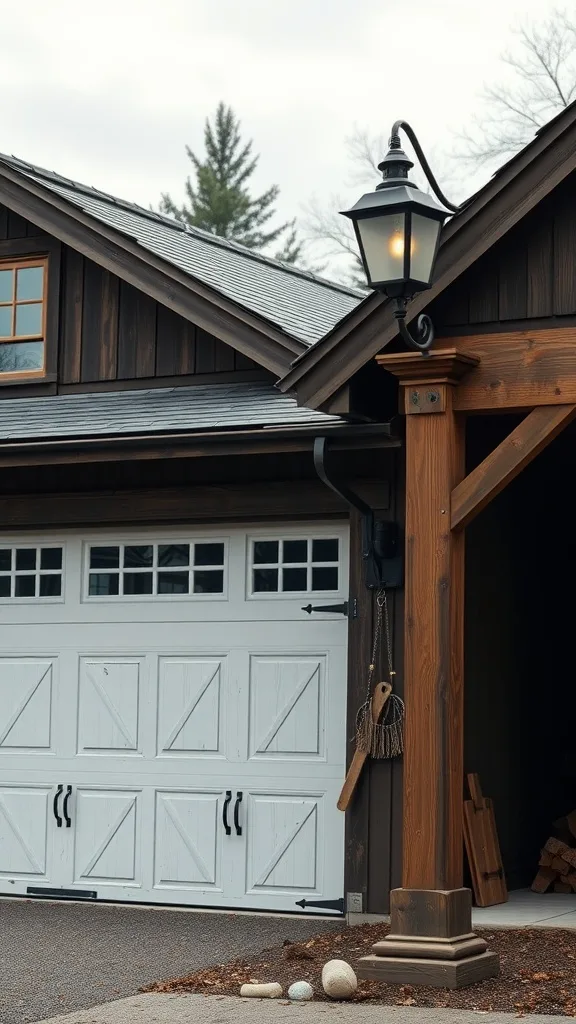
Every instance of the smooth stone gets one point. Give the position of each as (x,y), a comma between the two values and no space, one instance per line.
(338,979)
(300,990)
(272,990)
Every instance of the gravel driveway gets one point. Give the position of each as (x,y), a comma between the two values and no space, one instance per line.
(59,957)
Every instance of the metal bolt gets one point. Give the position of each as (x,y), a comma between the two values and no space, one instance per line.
(415,398)
(433,396)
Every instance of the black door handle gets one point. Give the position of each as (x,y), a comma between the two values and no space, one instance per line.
(67,817)
(236,814)
(227,828)
(57,796)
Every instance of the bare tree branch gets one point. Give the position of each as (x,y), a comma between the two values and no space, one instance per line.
(541,82)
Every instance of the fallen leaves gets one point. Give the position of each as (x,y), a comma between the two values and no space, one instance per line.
(538,972)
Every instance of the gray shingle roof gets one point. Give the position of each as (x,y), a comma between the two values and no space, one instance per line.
(156,410)
(302,304)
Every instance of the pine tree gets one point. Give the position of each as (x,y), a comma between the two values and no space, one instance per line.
(219,200)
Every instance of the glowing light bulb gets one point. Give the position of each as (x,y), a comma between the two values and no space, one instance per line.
(396,246)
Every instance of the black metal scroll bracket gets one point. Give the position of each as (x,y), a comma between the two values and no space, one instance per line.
(383,563)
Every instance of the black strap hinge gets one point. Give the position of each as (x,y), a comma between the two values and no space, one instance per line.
(322,904)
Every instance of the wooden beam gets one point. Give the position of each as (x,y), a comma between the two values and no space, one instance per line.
(194,503)
(517,369)
(433,653)
(511,456)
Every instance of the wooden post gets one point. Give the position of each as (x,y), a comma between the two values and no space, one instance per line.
(431,940)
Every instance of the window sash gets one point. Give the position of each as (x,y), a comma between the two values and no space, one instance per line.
(14,303)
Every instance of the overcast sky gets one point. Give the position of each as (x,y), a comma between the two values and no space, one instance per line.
(109,92)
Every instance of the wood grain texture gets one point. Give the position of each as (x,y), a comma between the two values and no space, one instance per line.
(136,334)
(71,329)
(564,276)
(517,369)
(380,695)
(483,849)
(540,271)
(212,311)
(511,456)
(357,837)
(201,503)
(433,654)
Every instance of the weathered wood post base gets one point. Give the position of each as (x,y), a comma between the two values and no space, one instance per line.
(431,942)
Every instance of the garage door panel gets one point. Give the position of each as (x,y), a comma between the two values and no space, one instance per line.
(25,847)
(108,705)
(188,840)
(283,843)
(190,706)
(106,836)
(153,698)
(287,706)
(26,691)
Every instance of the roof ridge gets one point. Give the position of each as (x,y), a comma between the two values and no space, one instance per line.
(178,225)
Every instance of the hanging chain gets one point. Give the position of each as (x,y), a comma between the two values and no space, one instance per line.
(382,739)
(383,598)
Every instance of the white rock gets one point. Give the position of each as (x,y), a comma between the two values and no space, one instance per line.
(300,990)
(270,991)
(338,979)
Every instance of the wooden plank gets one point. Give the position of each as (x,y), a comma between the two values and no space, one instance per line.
(484,294)
(223,358)
(357,835)
(72,315)
(221,316)
(511,456)
(564,276)
(91,321)
(483,849)
(512,281)
(517,369)
(539,271)
(433,654)
(380,695)
(205,352)
(199,503)
(3,223)
(17,226)
(175,343)
(136,334)
(109,328)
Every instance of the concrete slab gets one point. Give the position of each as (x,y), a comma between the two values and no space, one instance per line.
(526,909)
(189,1009)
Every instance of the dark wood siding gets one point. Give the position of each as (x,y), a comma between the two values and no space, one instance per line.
(528,276)
(109,331)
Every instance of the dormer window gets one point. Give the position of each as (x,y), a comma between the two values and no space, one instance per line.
(23,317)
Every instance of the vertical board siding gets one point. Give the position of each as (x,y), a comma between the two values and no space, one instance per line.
(109,330)
(71,326)
(137,334)
(175,344)
(564,276)
(540,272)
(483,302)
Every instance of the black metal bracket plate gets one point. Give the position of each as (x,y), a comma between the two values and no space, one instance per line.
(62,894)
(322,904)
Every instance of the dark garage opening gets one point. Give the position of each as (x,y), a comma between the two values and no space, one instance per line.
(520,669)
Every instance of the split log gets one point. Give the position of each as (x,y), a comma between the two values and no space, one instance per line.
(562,887)
(543,880)
(545,859)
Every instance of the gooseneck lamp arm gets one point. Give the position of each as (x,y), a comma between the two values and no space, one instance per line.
(424,337)
(394,143)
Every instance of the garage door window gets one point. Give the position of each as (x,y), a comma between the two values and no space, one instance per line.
(156,570)
(295,565)
(30,572)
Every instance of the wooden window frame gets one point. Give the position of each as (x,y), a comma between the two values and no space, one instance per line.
(33,251)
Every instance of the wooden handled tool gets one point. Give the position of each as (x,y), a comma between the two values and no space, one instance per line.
(381,694)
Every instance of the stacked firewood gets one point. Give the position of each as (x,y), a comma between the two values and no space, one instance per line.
(557,864)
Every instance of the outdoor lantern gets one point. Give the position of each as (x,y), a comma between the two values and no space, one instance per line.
(397,228)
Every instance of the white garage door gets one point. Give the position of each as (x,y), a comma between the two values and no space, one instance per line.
(172,722)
